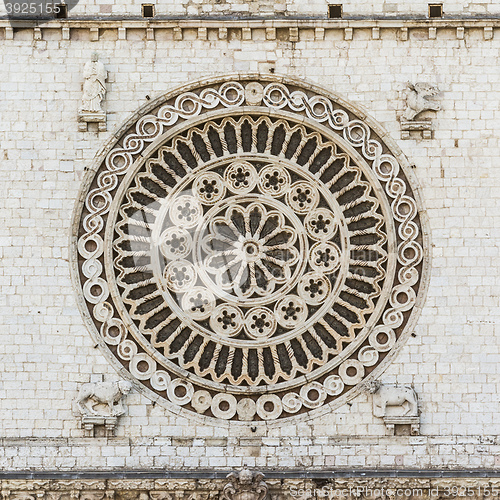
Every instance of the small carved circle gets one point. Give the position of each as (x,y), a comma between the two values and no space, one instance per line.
(180,391)
(368,356)
(291,402)
(127,350)
(227,320)
(313,395)
(291,311)
(269,407)
(113,332)
(382,339)
(142,366)
(254,92)
(325,257)
(333,385)
(202,400)
(180,276)
(246,409)
(241,177)
(175,243)
(224,406)
(274,180)
(314,288)
(351,372)
(198,303)
(260,323)
(186,211)
(209,188)
(302,197)
(320,224)
(160,380)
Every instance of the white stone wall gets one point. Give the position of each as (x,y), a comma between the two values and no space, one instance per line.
(279,7)
(45,350)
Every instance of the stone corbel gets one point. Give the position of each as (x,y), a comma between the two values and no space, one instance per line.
(89,424)
(424,126)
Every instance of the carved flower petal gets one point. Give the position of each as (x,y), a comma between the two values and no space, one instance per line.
(274,221)
(255,218)
(280,237)
(276,272)
(214,244)
(236,217)
(280,256)
(228,278)
(217,262)
(224,230)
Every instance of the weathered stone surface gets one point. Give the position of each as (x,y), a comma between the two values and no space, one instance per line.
(46,352)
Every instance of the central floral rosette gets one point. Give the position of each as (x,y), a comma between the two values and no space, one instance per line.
(250,250)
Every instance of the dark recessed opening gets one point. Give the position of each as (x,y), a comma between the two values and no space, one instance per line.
(148,10)
(436,10)
(62,13)
(335,11)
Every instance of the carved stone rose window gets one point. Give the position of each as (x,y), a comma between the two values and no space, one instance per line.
(249,250)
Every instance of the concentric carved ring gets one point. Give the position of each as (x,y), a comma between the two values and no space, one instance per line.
(249,266)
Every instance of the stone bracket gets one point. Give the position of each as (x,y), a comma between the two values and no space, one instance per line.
(391,424)
(90,422)
(424,126)
(85,118)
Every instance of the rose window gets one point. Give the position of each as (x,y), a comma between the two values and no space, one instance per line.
(249,256)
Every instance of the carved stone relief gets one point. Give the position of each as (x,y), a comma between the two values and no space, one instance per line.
(420,97)
(246,485)
(94,90)
(396,404)
(249,251)
(100,403)
(277,489)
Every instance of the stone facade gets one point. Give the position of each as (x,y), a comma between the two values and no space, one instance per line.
(47,353)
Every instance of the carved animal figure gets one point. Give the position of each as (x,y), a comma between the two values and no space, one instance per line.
(418,99)
(108,393)
(392,395)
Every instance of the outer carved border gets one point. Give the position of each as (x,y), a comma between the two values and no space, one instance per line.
(359,113)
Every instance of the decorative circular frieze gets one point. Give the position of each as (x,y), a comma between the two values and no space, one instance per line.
(249,251)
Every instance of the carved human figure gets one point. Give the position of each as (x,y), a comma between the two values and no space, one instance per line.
(246,485)
(392,395)
(107,393)
(94,86)
(418,99)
